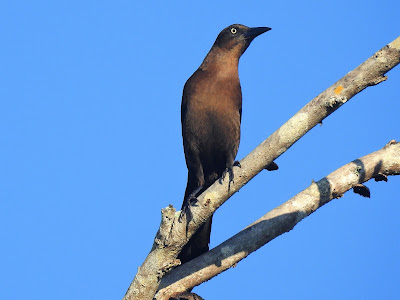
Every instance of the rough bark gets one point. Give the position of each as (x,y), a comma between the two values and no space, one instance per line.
(281,219)
(174,233)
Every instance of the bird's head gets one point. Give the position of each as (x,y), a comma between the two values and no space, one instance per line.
(238,37)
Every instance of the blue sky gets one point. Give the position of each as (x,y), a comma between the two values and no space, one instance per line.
(91,146)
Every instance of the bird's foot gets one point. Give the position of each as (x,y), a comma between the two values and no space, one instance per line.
(236,163)
(191,200)
(229,170)
(186,212)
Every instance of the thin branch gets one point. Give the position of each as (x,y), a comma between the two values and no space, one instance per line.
(170,240)
(281,219)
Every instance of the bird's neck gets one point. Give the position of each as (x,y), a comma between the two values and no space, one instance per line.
(222,62)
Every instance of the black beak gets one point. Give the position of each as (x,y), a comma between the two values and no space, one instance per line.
(253,32)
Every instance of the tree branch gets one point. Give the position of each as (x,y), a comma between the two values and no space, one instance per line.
(281,219)
(172,237)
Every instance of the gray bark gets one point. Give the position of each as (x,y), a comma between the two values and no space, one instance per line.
(172,235)
(282,219)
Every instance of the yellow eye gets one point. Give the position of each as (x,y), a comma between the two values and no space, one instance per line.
(233,30)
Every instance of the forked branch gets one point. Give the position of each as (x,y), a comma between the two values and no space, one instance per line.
(282,219)
(172,235)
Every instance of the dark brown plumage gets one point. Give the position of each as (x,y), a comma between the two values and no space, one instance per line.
(211,114)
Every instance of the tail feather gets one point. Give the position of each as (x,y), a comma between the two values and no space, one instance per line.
(198,244)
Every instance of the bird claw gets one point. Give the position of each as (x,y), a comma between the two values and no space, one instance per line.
(229,170)
(191,200)
(236,163)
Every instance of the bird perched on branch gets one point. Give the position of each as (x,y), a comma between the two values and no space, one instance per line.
(211,114)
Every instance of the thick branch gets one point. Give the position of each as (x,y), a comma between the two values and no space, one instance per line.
(281,219)
(168,243)
(369,73)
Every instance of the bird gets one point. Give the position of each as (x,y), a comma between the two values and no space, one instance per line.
(211,112)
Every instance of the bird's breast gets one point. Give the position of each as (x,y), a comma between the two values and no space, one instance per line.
(213,113)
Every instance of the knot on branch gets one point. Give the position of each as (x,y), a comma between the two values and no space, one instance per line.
(335,101)
(392,142)
(377,80)
(359,171)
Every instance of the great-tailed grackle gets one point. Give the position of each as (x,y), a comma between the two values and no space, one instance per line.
(211,114)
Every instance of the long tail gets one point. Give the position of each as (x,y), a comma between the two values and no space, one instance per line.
(198,244)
